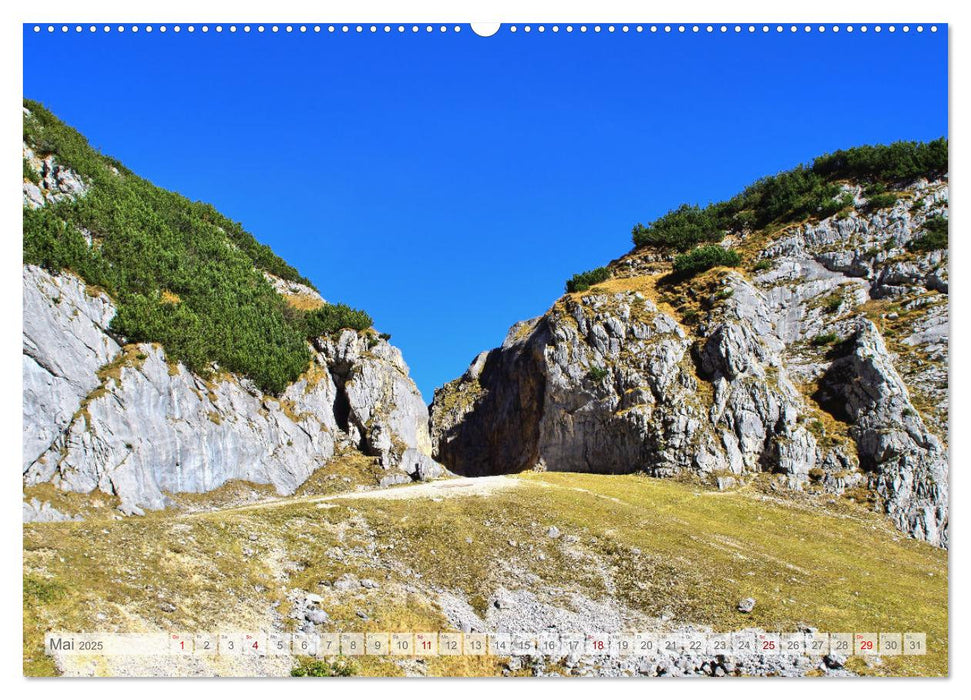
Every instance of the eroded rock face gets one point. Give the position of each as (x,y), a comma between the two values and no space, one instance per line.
(155,428)
(906,463)
(65,342)
(36,511)
(779,371)
(503,436)
(607,383)
(380,407)
(127,421)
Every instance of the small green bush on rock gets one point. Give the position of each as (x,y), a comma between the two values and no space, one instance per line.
(315,668)
(680,229)
(881,201)
(825,339)
(582,281)
(934,238)
(705,258)
(832,303)
(331,318)
(597,374)
(30,174)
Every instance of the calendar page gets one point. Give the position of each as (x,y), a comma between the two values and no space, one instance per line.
(524,349)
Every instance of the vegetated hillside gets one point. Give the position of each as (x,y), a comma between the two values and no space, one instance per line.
(808,191)
(166,351)
(181,273)
(798,329)
(536,553)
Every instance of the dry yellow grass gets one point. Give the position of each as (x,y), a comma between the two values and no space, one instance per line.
(668,548)
(303,302)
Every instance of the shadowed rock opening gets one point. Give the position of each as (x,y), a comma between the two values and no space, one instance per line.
(342,407)
(500,434)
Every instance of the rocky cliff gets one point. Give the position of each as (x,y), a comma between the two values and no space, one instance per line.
(822,359)
(103,413)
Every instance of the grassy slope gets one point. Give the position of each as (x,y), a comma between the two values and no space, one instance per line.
(657,545)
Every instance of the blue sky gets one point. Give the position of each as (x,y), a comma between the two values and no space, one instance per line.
(450,183)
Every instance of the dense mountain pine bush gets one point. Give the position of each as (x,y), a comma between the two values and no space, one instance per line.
(705,258)
(181,273)
(934,236)
(582,281)
(808,190)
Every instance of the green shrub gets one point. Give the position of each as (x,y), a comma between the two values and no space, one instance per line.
(881,201)
(762,265)
(331,318)
(597,374)
(30,174)
(743,220)
(680,229)
(582,281)
(828,206)
(805,191)
(38,590)
(832,303)
(825,339)
(897,162)
(705,258)
(152,240)
(316,668)
(934,238)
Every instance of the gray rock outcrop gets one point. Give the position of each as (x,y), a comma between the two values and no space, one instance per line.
(126,420)
(36,511)
(607,383)
(65,342)
(380,407)
(777,371)
(906,462)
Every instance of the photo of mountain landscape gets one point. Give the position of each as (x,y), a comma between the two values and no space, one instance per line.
(712,442)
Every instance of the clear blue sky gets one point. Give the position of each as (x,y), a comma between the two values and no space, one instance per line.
(450,183)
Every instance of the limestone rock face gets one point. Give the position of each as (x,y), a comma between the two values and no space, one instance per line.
(607,383)
(126,420)
(380,406)
(36,511)
(754,398)
(65,342)
(294,291)
(906,463)
(778,368)
(155,428)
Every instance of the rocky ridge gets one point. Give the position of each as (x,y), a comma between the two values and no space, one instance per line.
(825,362)
(123,419)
